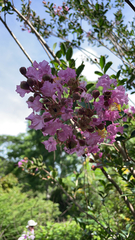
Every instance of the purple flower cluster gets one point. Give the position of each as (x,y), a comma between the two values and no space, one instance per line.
(67,113)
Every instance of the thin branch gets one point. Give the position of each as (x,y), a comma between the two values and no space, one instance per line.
(73,200)
(18,43)
(129,205)
(45,49)
(121,151)
(37,34)
(130,4)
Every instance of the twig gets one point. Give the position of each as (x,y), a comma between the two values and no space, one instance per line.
(80,208)
(130,4)
(37,34)
(73,200)
(129,205)
(18,43)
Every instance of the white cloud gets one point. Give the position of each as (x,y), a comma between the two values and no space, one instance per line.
(90,68)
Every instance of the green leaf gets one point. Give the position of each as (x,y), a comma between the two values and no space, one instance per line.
(107,66)
(97,6)
(98,73)
(108,123)
(132,134)
(72,63)
(102,62)
(54,46)
(63,64)
(58,54)
(90,85)
(69,53)
(118,74)
(63,48)
(85,105)
(80,69)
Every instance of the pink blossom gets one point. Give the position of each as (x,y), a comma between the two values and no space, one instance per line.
(50,144)
(88,34)
(126,110)
(66,8)
(20,164)
(60,8)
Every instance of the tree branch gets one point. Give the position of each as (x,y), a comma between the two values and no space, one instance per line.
(37,34)
(18,43)
(129,205)
(130,4)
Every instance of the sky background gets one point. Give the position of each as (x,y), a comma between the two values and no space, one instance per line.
(13,108)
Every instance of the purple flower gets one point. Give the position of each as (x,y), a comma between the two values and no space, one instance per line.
(21,91)
(38,70)
(111,115)
(51,127)
(50,144)
(36,105)
(118,96)
(112,130)
(48,89)
(65,133)
(67,74)
(106,82)
(37,121)
(132,110)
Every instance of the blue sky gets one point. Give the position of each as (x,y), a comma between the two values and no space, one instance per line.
(13,108)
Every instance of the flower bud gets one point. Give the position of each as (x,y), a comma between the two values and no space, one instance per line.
(107,95)
(101,126)
(71,143)
(23,70)
(88,112)
(76,96)
(93,167)
(24,85)
(81,111)
(106,103)
(47,119)
(47,77)
(31,99)
(95,94)
(30,82)
(40,84)
(75,118)
(82,142)
(90,129)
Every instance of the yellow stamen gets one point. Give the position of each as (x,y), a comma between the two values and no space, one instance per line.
(114,106)
(102,133)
